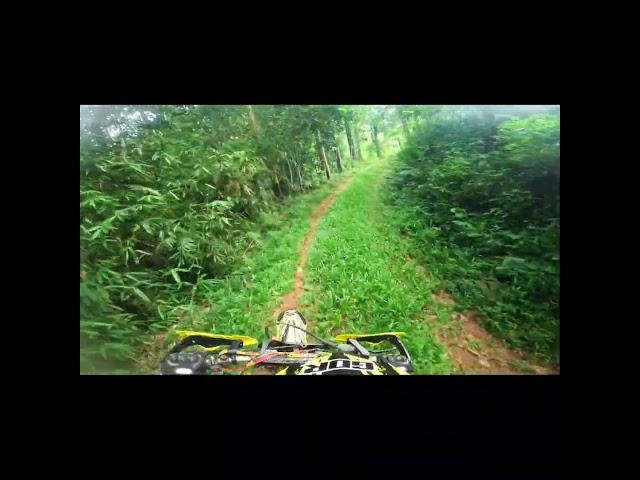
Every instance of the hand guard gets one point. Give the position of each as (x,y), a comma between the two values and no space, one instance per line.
(184,363)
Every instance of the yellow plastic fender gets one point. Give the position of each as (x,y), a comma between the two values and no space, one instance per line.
(246,341)
(356,336)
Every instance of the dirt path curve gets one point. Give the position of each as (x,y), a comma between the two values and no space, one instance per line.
(474,350)
(289,300)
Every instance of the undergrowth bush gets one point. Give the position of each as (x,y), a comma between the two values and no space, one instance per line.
(482,200)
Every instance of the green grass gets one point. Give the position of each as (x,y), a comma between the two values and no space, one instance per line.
(244,301)
(475,344)
(360,280)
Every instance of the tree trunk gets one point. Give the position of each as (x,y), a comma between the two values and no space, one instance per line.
(324,162)
(280,194)
(323,157)
(356,137)
(374,134)
(299,177)
(253,125)
(290,171)
(343,160)
(352,151)
(338,159)
(405,127)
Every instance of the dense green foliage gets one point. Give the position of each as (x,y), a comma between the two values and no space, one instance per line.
(481,197)
(172,196)
(192,217)
(243,301)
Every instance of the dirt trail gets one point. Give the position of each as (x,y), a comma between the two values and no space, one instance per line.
(474,350)
(289,300)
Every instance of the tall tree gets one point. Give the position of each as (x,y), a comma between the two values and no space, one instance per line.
(403,119)
(376,116)
(253,125)
(336,149)
(356,138)
(352,150)
(374,137)
(321,153)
